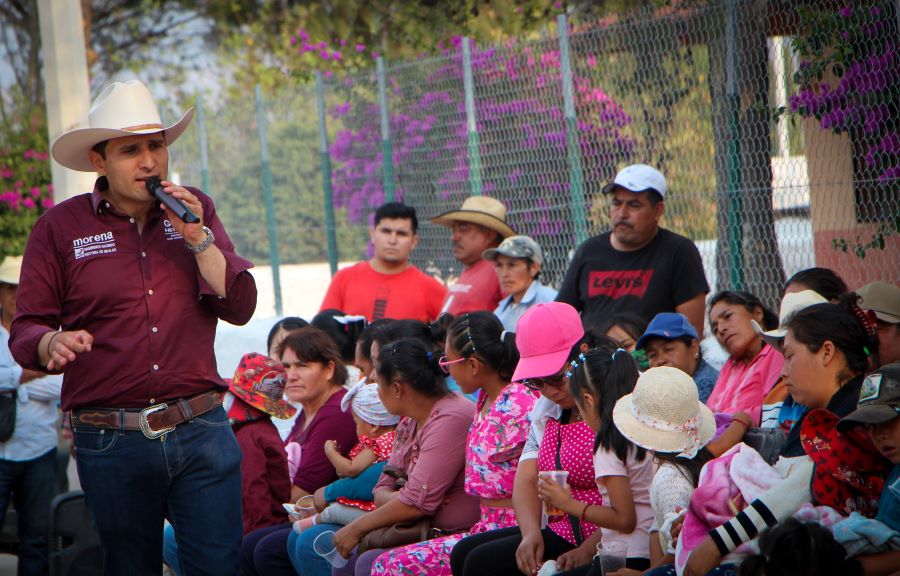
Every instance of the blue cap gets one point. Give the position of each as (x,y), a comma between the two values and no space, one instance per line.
(667,325)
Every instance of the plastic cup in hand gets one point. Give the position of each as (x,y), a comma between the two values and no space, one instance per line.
(306,506)
(561,477)
(324,547)
(612,556)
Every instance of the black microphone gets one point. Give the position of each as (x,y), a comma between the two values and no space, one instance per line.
(154,186)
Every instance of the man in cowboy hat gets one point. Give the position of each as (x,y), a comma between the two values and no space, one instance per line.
(479,224)
(637,267)
(137,294)
(28,457)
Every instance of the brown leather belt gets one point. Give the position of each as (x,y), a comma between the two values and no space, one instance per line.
(153,421)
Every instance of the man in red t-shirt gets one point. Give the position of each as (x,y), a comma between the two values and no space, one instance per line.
(388,286)
(479,224)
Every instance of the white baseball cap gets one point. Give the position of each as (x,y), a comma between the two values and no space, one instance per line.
(638,178)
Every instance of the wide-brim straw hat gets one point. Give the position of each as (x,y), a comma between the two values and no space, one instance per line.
(121,109)
(790,305)
(481,210)
(10,270)
(664,413)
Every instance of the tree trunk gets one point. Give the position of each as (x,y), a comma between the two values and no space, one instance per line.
(761,262)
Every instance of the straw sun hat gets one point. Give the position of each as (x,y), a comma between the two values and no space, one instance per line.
(122,109)
(664,413)
(481,210)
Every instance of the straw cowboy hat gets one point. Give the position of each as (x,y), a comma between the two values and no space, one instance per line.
(664,413)
(481,210)
(10,270)
(122,109)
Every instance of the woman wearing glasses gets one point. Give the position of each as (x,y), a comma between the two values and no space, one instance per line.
(481,356)
(549,337)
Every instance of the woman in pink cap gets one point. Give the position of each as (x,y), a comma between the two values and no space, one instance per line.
(548,337)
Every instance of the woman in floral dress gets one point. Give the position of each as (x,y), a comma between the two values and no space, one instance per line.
(479,354)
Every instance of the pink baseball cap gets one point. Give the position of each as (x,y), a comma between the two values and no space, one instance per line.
(545,335)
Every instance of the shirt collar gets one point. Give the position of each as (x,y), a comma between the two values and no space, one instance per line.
(529,296)
(100,204)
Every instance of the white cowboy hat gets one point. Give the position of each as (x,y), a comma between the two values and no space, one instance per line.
(10,270)
(664,413)
(481,210)
(122,109)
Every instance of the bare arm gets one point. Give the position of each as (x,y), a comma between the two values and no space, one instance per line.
(346,539)
(741,422)
(619,515)
(530,553)
(884,564)
(693,310)
(346,467)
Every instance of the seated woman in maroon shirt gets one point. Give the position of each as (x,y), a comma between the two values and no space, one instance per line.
(315,379)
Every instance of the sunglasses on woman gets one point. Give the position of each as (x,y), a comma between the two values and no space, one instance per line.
(537,384)
(444,363)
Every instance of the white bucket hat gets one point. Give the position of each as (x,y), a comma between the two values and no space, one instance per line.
(121,109)
(664,413)
(790,305)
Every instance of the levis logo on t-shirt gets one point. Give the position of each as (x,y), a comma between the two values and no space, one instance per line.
(617,284)
(102,243)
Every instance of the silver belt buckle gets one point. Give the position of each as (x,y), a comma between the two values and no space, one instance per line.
(145,425)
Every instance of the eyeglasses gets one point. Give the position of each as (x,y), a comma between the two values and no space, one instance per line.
(538,383)
(444,363)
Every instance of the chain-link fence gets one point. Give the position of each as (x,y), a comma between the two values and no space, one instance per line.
(776,124)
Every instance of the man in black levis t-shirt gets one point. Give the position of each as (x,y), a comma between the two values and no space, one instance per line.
(637,267)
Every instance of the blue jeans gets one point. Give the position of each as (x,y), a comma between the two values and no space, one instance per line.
(170,550)
(191,476)
(32,485)
(300,550)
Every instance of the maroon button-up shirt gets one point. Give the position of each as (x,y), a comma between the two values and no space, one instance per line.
(140,294)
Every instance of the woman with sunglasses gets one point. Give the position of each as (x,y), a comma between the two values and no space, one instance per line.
(481,356)
(548,337)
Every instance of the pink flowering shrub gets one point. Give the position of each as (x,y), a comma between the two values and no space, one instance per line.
(857,45)
(26,191)
(521,129)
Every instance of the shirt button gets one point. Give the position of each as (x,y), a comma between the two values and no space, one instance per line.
(131,220)
(153,400)
(150,292)
(155,330)
(156,366)
(143,254)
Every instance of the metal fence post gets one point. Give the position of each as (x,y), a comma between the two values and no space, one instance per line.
(326,176)
(733,153)
(471,126)
(204,146)
(267,197)
(573,148)
(387,155)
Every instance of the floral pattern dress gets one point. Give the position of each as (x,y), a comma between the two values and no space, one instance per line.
(493,448)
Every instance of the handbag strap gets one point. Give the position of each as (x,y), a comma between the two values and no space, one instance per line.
(573,521)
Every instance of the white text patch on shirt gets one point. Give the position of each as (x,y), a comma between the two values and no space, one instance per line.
(93,245)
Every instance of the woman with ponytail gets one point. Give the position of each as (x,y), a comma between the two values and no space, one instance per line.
(427,456)
(481,356)
(826,351)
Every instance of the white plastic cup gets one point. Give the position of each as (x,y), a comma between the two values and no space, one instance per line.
(561,477)
(612,556)
(323,545)
(306,506)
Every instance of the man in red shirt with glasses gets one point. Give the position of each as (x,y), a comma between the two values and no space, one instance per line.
(123,298)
